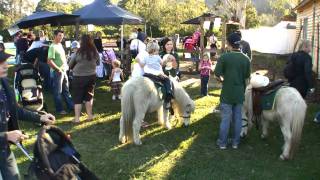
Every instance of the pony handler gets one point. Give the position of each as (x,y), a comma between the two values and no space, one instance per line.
(141,96)
(289,110)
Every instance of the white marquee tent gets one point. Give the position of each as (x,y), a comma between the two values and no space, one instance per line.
(279,39)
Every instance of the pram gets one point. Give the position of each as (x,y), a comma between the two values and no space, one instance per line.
(28,88)
(55,158)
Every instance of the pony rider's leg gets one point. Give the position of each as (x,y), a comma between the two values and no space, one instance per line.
(265,126)
(286,131)
(166,117)
(161,116)
(136,125)
(121,133)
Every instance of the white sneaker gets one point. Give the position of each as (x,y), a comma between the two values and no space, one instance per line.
(119,97)
(113,97)
(235,146)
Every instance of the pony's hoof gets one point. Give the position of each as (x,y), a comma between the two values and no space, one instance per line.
(138,143)
(122,140)
(168,127)
(283,157)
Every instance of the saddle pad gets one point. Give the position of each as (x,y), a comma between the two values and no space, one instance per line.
(30,94)
(29,83)
(267,101)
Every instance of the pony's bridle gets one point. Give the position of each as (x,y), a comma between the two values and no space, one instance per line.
(246,124)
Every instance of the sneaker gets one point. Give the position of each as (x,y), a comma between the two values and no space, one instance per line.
(316,120)
(234,146)
(62,112)
(119,97)
(222,147)
(216,111)
(113,97)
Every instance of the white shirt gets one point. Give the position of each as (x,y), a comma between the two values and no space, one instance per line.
(116,76)
(153,65)
(136,44)
(137,69)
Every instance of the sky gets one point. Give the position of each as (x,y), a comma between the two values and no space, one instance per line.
(84,2)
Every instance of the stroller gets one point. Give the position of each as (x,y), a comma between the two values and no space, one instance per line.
(28,88)
(55,158)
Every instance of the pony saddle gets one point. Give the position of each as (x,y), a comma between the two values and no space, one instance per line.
(163,83)
(263,97)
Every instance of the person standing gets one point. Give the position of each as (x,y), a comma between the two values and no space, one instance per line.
(22,46)
(301,69)
(141,35)
(245,46)
(98,42)
(169,49)
(232,69)
(9,129)
(58,72)
(83,64)
(205,70)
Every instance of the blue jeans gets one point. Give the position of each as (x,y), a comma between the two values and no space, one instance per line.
(230,113)
(8,168)
(44,71)
(318,117)
(60,87)
(204,85)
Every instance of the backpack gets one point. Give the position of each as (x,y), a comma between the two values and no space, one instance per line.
(289,70)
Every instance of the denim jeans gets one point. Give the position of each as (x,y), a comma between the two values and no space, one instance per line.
(60,87)
(204,85)
(230,114)
(44,71)
(318,117)
(8,168)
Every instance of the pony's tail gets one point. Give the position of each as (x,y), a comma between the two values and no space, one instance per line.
(299,112)
(127,112)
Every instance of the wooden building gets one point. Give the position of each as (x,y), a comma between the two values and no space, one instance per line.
(308,22)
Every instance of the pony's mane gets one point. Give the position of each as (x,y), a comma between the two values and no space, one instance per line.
(181,97)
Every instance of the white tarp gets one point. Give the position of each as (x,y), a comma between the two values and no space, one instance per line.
(272,40)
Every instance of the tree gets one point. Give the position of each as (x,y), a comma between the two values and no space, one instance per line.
(232,9)
(164,16)
(282,7)
(252,19)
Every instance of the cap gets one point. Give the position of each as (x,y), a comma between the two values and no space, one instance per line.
(75,44)
(234,39)
(4,56)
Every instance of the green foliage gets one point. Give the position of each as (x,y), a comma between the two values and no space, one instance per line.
(252,19)
(283,7)
(11,11)
(164,16)
(69,7)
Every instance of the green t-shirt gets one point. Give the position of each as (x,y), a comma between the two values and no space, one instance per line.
(57,55)
(234,67)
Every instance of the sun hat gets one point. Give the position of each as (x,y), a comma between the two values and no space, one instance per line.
(75,44)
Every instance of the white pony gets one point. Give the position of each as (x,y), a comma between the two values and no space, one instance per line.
(140,96)
(289,110)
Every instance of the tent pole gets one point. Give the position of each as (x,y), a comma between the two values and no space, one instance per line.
(145,28)
(77,30)
(121,42)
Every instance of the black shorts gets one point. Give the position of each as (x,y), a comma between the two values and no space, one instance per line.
(83,88)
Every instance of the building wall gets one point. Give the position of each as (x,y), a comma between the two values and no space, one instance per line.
(311,30)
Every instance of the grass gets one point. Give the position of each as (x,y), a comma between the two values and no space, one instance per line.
(183,152)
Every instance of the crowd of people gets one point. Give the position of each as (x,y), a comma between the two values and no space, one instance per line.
(149,59)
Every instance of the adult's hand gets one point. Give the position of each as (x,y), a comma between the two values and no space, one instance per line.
(47,118)
(16,136)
